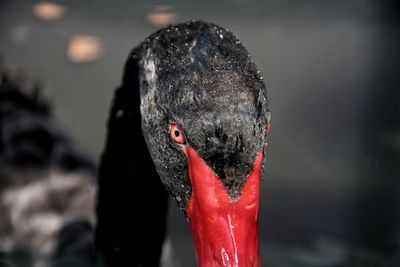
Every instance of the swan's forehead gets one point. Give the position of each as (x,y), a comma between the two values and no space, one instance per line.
(198,70)
(211,101)
(211,93)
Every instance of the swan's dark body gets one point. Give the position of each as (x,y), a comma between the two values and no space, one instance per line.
(47,188)
(30,136)
(200,76)
(132,202)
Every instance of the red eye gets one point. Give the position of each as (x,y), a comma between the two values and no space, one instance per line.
(177,134)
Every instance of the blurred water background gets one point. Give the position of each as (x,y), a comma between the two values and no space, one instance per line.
(330,195)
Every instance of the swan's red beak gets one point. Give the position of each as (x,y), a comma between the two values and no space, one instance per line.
(225,231)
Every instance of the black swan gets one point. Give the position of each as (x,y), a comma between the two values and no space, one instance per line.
(47,187)
(191,116)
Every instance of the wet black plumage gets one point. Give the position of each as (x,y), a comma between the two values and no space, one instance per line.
(200,76)
(132,202)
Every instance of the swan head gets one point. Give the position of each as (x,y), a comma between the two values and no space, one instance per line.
(205,119)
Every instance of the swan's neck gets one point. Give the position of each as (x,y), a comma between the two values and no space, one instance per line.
(225,231)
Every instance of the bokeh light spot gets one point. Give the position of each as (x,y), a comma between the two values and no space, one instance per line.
(49,11)
(84,48)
